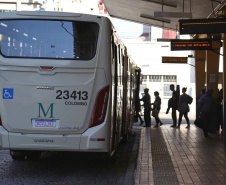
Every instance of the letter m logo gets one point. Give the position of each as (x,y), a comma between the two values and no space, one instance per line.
(45,113)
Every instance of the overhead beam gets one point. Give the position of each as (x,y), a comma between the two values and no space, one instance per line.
(155,18)
(173,14)
(174,5)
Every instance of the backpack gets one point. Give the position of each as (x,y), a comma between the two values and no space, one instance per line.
(189,99)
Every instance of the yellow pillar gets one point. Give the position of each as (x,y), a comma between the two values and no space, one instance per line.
(200,58)
(224,85)
(212,67)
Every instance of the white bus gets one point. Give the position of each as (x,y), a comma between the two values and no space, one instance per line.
(66,84)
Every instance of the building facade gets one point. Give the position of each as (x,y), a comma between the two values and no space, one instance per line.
(78,6)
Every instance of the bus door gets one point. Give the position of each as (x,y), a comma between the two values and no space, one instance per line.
(114,93)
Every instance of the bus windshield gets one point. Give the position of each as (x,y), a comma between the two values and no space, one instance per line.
(53,39)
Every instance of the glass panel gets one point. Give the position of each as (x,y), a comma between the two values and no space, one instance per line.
(48,39)
(166,90)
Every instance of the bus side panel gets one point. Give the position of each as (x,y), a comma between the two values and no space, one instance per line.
(103,55)
(115,91)
(113,95)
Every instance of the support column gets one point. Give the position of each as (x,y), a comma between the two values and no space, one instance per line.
(224,87)
(200,77)
(18,5)
(212,67)
(200,80)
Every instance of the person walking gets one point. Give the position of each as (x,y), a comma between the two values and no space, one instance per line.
(183,107)
(157,107)
(174,105)
(137,111)
(205,105)
(147,107)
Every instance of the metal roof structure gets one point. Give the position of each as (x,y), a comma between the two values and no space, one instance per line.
(163,13)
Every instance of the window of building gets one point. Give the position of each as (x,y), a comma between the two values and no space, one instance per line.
(144,78)
(7,10)
(169,78)
(166,90)
(155,78)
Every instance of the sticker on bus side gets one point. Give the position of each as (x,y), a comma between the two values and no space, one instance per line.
(7,93)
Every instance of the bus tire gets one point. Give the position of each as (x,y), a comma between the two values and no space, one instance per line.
(33,155)
(17,154)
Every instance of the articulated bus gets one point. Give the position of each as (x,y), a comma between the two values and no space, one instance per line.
(67,83)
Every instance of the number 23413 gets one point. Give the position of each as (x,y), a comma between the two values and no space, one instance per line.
(76,95)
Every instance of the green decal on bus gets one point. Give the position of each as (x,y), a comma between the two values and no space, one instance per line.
(41,109)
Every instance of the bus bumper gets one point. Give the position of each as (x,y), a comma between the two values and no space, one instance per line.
(44,142)
(95,139)
(4,138)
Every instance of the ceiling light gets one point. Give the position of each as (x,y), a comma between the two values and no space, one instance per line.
(163,40)
(2,24)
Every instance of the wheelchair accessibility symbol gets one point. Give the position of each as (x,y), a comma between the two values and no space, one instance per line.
(7,93)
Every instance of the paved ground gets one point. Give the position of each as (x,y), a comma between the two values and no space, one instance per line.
(152,156)
(180,156)
(70,168)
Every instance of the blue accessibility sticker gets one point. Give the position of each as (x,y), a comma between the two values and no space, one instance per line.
(7,93)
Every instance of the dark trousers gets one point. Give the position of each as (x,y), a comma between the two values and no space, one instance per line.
(139,117)
(174,116)
(206,120)
(185,116)
(157,120)
(147,117)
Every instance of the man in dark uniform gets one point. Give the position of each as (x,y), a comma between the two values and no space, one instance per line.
(147,107)
(175,99)
(206,103)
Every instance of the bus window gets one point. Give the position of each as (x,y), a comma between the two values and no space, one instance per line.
(48,39)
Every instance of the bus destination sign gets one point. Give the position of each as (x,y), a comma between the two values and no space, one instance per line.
(192,44)
(178,60)
(202,26)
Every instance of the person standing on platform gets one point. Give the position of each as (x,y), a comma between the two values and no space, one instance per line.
(205,105)
(137,111)
(175,98)
(203,92)
(157,106)
(147,107)
(183,107)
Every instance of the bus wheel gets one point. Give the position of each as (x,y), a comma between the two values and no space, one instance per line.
(17,154)
(33,155)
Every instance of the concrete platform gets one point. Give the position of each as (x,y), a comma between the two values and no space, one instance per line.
(179,156)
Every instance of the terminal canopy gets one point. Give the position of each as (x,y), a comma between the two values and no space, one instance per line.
(163,13)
